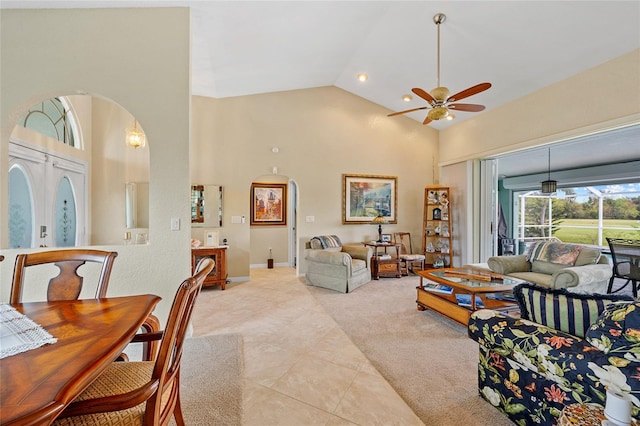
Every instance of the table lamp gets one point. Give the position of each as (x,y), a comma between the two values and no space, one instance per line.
(379,220)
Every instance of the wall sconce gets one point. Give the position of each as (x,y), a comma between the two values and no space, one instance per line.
(136,137)
(549,186)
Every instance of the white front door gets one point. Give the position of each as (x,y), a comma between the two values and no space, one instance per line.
(47,198)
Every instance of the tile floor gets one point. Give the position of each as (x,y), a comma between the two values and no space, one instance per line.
(300,367)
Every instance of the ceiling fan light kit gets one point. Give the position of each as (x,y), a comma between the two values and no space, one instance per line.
(438,100)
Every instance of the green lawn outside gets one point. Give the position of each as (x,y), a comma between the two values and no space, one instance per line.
(590,236)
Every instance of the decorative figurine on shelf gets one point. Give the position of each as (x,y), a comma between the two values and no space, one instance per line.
(430,248)
(445,232)
(437,230)
(432,197)
(437,213)
(444,200)
(438,262)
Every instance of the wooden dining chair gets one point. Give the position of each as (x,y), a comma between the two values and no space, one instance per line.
(406,254)
(143,392)
(67,285)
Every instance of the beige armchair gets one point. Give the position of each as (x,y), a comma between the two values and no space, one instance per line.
(336,267)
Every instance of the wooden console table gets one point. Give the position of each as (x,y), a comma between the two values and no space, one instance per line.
(384,267)
(219,273)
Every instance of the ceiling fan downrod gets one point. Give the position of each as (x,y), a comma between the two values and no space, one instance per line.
(439,19)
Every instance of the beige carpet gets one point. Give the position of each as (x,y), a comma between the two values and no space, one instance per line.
(211,380)
(428,359)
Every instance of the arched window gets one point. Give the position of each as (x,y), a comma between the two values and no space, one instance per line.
(52,118)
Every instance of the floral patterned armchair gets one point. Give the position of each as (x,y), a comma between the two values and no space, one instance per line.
(530,371)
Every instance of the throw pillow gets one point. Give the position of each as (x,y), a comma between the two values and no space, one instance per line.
(325,241)
(617,331)
(562,310)
(551,256)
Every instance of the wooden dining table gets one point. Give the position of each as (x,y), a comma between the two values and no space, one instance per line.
(35,386)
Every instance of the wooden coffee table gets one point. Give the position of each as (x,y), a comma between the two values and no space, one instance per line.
(458,292)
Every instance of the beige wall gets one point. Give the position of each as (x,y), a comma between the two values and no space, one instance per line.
(604,97)
(321,133)
(100,51)
(113,164)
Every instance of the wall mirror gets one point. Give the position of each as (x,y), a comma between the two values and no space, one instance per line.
(136,205)
(206,206)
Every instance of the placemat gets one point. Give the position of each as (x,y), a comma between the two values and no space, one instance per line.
(19,334)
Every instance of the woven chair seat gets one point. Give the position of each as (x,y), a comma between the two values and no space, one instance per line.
(145,392)
(412,257)
(407,256)
(119,378)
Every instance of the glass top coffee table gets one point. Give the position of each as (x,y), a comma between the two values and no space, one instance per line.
(458,292)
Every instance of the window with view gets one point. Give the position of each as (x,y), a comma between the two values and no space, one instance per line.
(583,215)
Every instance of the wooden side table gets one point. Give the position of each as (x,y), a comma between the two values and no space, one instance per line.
(383,266)
(218,276)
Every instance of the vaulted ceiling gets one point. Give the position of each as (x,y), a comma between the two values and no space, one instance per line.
(251,47)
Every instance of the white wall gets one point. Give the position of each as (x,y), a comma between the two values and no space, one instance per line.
(139,58)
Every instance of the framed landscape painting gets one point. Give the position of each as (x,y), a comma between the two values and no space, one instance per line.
(365,197)
(268,204)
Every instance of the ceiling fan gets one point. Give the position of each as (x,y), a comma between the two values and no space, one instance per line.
(438,99)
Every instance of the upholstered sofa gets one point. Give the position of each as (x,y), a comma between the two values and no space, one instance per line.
(566,348)
(336,267)
(553,264)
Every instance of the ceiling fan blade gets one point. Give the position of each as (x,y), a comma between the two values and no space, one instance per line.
(469,92)
(467,107)
(406,111)
(424,95)
(427,120)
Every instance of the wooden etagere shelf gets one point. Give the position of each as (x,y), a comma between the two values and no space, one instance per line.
(436,230)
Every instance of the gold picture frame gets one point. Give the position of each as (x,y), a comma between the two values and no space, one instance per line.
(365,197)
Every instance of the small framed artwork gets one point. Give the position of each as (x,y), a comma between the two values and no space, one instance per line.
(386,238)
(365,197)
(268,204)
(211,238)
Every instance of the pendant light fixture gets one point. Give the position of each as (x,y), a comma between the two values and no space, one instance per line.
(136,137)
(549,186)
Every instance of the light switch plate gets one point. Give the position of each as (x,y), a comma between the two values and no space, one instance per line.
(175,223)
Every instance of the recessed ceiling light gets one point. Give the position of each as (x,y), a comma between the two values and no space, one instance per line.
(407,98)
(450,117)
(363,77)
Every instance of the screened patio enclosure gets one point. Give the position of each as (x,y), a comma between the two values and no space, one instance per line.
(582,215)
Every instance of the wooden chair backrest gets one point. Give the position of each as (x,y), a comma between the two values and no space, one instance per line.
(167,366)
(404,239)
(67,285)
